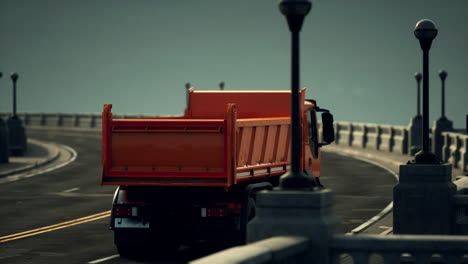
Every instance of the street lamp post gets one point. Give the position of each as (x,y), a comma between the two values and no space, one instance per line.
(418,77)
(14,77)
(187,87)
(442,124)
(295,208)
(4,148)
(295,12)
(443,76)
(425,31)
(415,123)
(17,132)
(425,189)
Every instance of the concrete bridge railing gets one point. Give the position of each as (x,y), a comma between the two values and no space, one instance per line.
(387,138)
(339,248)
(455,150)
(372,136)
(348,249)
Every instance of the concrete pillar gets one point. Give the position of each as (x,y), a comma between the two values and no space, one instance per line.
(43,119)
(17,136)
(422,200)
(76,120)
(350,135)
(295,213)
(336,126)
(440,125)
(463,162)
(378,138)
(414,130)
(4,149)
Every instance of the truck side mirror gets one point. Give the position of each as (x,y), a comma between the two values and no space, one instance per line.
(328,132)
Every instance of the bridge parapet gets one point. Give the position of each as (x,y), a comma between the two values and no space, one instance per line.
(387,138)
(344,248)
(455,150)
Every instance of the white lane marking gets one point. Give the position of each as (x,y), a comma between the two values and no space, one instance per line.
(387,209)
(367,210)
(72,190)
(38,171)
(356,221)
(385,227)
(103,259)
(74,155)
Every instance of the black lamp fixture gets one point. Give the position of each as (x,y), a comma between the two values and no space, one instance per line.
(14,77)
(418,77)
(295,12)
(425,31)
(443,76)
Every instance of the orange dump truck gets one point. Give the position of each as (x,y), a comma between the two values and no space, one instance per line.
(195,177)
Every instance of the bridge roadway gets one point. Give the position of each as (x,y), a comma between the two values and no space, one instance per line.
(73,192)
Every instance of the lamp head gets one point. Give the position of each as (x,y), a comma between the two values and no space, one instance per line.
(14,76)
(295,7)
(418,76)
(425,30)
(187,86)
(295,11)
(442,75)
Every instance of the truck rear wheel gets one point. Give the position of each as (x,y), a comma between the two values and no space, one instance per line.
(249,215)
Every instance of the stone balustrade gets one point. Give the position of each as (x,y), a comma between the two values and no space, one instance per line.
(387,138)
(360,249)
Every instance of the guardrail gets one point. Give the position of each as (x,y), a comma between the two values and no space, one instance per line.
(460,204)
(455,150)
(372,136)
(75,120)
(387,138)
(395,139)
(357,249)
(399,248)
(281,249)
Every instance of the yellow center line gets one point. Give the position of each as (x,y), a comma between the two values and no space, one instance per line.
(55,227)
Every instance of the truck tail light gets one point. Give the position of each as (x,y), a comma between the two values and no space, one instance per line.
(215,212)
(124,211)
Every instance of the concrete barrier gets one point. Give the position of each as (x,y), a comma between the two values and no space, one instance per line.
(387,138)
(275,250)
(400,140)
(455,150)
(373,136)
(286,249)
(4,144)
(348,249)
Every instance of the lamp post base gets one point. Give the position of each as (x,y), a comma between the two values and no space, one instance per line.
(296,180)
(422,199)
(16,136)
(295,213)
(426,158)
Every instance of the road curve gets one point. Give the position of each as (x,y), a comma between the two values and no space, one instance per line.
(61,216)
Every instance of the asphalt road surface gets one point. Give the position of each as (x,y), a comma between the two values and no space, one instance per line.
(61,216)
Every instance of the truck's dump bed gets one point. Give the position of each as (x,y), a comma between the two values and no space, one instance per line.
(222,139)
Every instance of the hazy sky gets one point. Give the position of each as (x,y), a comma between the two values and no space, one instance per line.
(358,57)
